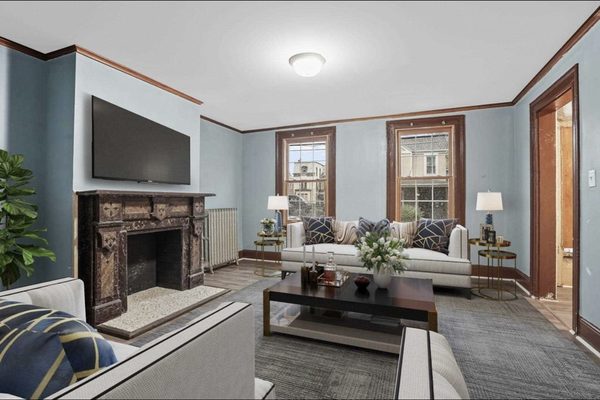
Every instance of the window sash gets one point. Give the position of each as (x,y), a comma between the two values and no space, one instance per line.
(321,186)
(449,178)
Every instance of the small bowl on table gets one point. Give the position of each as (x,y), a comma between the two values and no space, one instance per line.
(362,282)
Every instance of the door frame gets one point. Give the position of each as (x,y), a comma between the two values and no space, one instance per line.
(569,81)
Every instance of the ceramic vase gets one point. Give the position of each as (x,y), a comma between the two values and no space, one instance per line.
(382,276)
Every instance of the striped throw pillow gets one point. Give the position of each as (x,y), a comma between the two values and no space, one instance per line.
(346,232)
(404,231)
(33,365)
(380,227)
(86,350)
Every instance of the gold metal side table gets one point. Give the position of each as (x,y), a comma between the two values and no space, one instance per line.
(496,283)
(274,239)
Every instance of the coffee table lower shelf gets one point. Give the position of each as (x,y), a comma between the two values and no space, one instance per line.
(343,330)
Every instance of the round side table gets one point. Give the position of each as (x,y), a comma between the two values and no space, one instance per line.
(496,283)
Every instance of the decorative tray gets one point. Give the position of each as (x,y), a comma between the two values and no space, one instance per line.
(341,278)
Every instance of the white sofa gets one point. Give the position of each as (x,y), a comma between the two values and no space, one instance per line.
(211,357)
(427,368)
(452,270)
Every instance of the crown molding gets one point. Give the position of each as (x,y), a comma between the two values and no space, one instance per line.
(572,41)
(214,121)
(21,48)
(96,57)
(388,116)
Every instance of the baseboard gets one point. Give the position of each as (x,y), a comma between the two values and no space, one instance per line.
(589,332)
(257,255)
(524,280)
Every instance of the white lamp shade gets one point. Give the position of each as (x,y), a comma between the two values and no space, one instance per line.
(278,203)
(489,201)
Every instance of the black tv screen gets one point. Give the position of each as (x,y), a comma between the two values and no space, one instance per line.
(127,146)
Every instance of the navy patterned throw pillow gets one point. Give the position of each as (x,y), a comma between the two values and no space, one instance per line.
(434,234)
(33,365)
(318,230)
(86,350)
(380,227)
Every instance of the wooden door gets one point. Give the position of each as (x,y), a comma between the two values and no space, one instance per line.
(547,202)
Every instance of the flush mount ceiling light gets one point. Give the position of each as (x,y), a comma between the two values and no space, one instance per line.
(307,64)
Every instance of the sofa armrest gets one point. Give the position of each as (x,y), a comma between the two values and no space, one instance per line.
(62,294)
(211,357)
(427,368)
(295,234)
(459,240)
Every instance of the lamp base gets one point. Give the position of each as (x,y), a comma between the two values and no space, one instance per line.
(489,219)
(278,221)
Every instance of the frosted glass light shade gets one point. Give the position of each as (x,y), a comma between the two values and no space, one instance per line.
(489,201)
(278,203)
(307,64)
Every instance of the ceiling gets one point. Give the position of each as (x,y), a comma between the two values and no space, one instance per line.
(382,57)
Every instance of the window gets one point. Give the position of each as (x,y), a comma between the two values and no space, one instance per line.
(430,164)
(426,169)
(306,171)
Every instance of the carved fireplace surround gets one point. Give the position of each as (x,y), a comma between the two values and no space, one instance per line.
(106,218)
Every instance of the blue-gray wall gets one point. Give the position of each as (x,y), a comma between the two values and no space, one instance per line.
(45,114)
(97,79)
(221,168)
(57,208)
(361,170)
(586,53)
(22,123)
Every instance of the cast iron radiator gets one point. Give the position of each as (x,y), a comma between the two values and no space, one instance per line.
(221,238)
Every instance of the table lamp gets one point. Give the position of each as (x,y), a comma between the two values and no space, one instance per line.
(278,203)
(489,201)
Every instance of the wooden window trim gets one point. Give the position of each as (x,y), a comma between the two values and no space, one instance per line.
(458,150)
(307,135)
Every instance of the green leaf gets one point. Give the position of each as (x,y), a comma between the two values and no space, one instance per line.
(18,207)
(9,275)
(16,191)
(39,252)
(27,257)
(17,216)
(34,236)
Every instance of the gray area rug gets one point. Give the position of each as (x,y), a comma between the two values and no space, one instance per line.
(505,350)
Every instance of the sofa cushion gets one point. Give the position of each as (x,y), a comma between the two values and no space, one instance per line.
(404,231)
(318,230)
(424,260)
(32,364)
(380,227)
(434,234)
(85,348)
(346,232)
(421,260)
(345,254)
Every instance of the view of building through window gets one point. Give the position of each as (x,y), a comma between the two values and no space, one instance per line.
(306,177)
(425,174)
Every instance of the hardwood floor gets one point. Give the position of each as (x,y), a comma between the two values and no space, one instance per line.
(236,277)
(559,311)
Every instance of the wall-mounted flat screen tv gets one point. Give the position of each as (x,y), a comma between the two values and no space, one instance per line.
(127,146)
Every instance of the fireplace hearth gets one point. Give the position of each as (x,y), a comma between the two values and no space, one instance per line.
(132,241)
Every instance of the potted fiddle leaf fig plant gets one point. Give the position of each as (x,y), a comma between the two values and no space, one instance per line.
(18,239)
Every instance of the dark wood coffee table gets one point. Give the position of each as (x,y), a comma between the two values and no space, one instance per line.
(406,298)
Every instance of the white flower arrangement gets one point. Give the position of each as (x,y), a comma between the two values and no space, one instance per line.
(267,221)
(381,250)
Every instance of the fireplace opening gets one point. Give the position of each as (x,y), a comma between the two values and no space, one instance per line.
(154,259)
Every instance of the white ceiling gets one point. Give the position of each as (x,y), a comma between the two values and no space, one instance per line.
(382,57)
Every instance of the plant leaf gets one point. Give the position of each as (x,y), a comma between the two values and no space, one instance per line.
(39,252)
